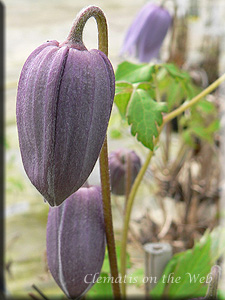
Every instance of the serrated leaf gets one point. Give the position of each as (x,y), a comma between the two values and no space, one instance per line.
(133,73)
(144,114)
(191,266)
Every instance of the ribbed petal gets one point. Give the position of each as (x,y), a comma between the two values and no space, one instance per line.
(64,102)
(153,34)
(76,240)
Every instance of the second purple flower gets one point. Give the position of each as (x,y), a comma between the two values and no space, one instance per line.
(147,32)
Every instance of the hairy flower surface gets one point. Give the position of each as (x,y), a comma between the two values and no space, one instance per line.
(76,240)
(118,161)
(147,32)
(64,101)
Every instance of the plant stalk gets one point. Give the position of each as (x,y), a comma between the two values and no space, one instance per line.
(104,170)
(76,37)
(213,285)
(129,206)
(128,180)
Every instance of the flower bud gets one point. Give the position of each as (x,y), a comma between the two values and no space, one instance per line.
(146,34)
(118,161)
(64,100)
(76,241)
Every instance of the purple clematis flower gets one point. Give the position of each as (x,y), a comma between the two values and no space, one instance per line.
(64,100)
(118,166)
(76,241)
(146,34)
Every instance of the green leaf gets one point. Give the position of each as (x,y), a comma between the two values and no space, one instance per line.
(175,94)
(122,97)
(144,114)
(201,122)
(191,268)
(133,73)
(175,72)
(123,87)
(206,106)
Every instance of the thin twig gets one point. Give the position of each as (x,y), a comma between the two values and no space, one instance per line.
(39,292)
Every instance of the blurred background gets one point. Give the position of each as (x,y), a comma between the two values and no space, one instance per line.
(199,47)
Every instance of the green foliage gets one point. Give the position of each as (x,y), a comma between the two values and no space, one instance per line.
(133,73)
(191,268)
(144,114)
(136,89)
(202,123)
(123,95)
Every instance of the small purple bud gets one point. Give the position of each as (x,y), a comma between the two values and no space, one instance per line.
(64,100)
(118,167)
(76,241)
(147,32)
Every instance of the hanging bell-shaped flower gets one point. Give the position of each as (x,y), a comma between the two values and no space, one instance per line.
(64,100)
(76,241)
(118,167)
(147,32)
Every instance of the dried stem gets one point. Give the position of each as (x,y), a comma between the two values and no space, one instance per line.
(39,292)
(213,285)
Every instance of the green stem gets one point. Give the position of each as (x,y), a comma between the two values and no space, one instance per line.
(128,179)
(76,37)
(127,220)
(130,202)
(141,173)
(76,33)
(193,101)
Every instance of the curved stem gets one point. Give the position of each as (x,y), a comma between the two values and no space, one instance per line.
(76,37)
(76,33)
